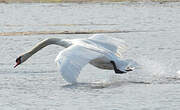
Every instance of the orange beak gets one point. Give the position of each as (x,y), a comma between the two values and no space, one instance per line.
(17,63)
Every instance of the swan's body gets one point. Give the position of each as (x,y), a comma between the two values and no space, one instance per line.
(97,50)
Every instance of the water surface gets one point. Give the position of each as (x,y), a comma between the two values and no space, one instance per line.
(37,85)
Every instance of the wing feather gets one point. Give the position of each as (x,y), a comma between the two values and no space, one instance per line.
(113,44)
(72,59)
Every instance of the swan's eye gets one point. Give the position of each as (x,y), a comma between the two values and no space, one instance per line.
(18,60)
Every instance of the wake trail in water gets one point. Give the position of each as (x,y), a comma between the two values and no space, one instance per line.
(147,71)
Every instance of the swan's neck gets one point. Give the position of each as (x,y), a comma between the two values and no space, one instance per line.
(49,41)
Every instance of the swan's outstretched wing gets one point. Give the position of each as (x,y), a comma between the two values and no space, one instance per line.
(115,45)
(72,59)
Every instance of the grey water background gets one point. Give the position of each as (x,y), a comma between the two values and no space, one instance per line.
(36,84)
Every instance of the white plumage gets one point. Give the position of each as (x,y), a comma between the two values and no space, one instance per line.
(97,50)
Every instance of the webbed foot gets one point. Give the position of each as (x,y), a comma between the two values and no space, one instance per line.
(117,71)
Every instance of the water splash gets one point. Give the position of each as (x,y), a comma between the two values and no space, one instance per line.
(151,67)
(178,73)
(147,71)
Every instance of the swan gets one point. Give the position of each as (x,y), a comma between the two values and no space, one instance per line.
(99,50)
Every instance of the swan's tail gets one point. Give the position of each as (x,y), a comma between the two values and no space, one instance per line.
(127,63)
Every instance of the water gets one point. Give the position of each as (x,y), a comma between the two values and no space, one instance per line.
(36,84)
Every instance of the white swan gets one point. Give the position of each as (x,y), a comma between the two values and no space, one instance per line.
(98,50)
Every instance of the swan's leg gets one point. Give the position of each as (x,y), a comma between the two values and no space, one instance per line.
(117,71)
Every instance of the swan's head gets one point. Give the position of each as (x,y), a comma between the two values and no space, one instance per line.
(21,59)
